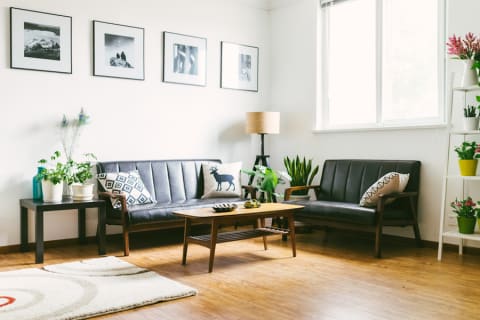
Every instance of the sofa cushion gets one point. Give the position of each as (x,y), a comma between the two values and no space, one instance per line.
(221,180)
(345,212)
(390,183)
(155,212)
(128,183)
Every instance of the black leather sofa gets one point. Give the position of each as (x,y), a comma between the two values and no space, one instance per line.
(173,184)
(342,184)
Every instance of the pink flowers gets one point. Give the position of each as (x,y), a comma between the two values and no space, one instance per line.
(465,208)
(468,48)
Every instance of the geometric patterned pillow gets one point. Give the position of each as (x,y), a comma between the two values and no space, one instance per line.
(389,183)
(128,183)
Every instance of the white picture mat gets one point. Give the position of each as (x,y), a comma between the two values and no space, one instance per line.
(231,65)
(101,68)
(170,39)
(18,18)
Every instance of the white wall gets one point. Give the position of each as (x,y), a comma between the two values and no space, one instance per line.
(130,119)
(294,65)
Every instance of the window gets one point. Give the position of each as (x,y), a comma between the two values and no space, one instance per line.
(381,63)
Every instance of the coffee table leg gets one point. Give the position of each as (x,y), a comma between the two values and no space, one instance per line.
(213,243)
(186,234)
(291,227)
(262,225)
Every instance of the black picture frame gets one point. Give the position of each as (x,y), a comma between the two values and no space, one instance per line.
(118,51)
(40,41)
(184,59)
(239,66)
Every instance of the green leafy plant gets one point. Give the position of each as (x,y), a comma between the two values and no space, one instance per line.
(470,111)
(267,179)
(468,150)
(79,172)
(53,170)
(301,171)
(465,208)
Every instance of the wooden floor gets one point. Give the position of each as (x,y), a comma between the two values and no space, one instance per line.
(336,280)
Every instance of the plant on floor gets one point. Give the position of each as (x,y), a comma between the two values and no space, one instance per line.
(468,150)
(301,171)
(267,179)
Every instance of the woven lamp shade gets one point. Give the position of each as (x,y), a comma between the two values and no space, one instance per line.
(263,122)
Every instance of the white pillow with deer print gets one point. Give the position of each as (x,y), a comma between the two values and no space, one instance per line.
(221,180)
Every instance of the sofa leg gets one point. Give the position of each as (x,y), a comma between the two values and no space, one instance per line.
(126,243)
(418,238)
(378,240)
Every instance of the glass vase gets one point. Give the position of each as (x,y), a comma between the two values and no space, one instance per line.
(37,193)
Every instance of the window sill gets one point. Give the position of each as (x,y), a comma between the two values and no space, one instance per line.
(389,128)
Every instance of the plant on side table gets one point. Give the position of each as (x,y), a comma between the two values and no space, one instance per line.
(302,173)
(466,214)
(468,154)
(52,175)
(80,173)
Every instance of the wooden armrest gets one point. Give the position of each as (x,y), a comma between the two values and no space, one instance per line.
(288,191)
(108,195)
(250,189)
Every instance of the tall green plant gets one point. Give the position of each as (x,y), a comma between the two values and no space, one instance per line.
(301,171)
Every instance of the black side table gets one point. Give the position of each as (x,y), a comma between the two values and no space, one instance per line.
(40,207)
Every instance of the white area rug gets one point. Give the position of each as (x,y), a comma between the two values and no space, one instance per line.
(78,290)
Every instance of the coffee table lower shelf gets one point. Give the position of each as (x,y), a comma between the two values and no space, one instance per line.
(205,240)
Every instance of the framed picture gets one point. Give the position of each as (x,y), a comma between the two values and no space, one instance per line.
(184,59)
(239,67)
(40,41)
(118,51)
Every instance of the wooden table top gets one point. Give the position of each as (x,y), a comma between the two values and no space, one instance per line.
(264,208)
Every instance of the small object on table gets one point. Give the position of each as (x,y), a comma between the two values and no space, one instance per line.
(249,204)
(224,207)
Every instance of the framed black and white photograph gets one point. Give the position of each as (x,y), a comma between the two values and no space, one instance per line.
(40,41)
(184,59)
(118,51)
(239,67)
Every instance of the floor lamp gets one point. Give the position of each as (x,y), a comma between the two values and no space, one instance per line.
(262,123)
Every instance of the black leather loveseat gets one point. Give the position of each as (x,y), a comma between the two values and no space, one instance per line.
(173,185)
(344,181)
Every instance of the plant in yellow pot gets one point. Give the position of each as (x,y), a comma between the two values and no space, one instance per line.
(466,214)
(468,154)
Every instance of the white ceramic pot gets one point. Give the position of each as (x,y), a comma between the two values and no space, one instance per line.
(470,123)
(469,76)
(81,192)
(52,192)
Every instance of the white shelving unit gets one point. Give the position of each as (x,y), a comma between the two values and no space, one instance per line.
(447,176)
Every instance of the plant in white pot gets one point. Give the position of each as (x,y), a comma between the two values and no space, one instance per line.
(52,175)
(81,172)
(470,118)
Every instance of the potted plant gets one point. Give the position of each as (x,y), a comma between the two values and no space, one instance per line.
(470,118)
(466,214)
(467,50)
(468,154)
(80,173)
(52,175)
(302,174)
(267,179)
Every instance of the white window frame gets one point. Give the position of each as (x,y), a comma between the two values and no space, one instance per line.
(322,105)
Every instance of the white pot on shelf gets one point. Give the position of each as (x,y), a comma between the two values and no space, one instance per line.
(82,191)
(470,123)
(52,192)
(469,76)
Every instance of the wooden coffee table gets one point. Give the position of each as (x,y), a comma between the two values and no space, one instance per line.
(209,216)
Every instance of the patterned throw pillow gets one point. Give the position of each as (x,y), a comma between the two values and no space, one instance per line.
(221,180)
(389,183)
(128,183)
